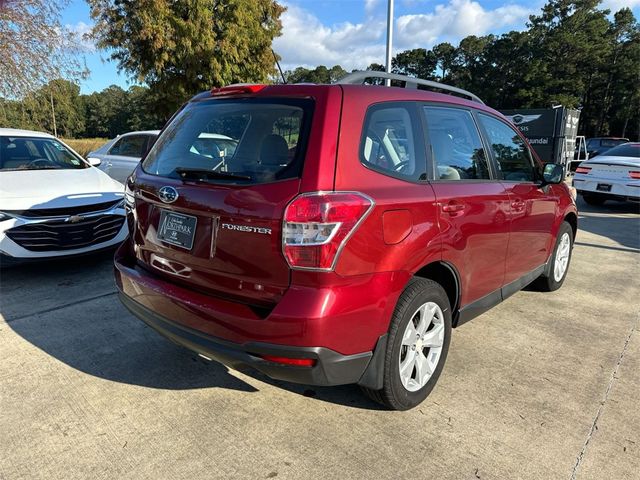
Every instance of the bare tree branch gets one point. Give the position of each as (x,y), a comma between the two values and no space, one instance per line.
(35,47)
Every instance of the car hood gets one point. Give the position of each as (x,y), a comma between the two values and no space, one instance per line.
(26,189)
(613,160)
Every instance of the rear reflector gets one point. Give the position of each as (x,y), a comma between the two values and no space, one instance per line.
(634,174)
(237,88)
(299,362)
(318,225)
(583,169)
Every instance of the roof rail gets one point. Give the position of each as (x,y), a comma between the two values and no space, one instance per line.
(357,78)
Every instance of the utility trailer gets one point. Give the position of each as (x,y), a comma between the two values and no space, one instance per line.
(552,132)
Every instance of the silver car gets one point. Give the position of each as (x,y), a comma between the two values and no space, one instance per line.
(119,156)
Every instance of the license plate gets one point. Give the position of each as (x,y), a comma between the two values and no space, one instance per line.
(177,229)
(603,187)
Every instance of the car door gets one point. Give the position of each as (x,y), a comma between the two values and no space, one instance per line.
(531,206)
(124,155)
(472,204)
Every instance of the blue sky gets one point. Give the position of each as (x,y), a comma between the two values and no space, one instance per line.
(351,32)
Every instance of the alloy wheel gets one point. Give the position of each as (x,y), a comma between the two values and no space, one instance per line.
(421,348)
(562,257)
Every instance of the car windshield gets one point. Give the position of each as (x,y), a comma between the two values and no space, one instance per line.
(34,153)
(233,140)
(626,150)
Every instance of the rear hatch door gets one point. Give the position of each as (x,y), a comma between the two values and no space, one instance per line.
(210,196)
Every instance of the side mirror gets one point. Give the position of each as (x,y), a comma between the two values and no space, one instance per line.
(93,161)
(553,173)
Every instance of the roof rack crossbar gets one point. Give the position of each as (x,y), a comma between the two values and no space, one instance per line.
(357,78)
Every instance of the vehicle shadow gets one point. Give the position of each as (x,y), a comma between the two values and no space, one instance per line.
(617,221)
(99,337)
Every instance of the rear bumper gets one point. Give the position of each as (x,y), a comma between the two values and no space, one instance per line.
(331,368)
(623,190)
(338,326)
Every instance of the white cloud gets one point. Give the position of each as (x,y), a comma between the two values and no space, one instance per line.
(370,6)
(80,32)
(615,5)
(454,21)
(306,41)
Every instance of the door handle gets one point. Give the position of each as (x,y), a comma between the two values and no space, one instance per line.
(518,205)
(452,208)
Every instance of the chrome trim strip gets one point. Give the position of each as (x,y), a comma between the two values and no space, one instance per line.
(108,211)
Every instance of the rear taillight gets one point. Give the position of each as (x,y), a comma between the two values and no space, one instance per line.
(583,169)
(634,174)
(317,226)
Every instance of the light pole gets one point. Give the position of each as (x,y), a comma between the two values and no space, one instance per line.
(387,82)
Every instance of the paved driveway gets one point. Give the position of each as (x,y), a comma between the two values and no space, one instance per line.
(545,386)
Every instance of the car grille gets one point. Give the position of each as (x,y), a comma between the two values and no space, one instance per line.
(63,212)
(63,235)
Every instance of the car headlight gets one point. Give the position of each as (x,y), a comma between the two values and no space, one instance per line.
(5,216)
(129,198)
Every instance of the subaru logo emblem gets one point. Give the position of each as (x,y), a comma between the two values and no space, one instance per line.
(168,194)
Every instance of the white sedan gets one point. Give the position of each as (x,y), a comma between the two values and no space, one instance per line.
(53,202)
(614,175)
(119,157)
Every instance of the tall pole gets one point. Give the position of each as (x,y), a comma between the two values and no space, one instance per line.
(53,112)
(389,40)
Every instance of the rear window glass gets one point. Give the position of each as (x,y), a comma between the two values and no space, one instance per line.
(609,142)
(238,141)
(628,150)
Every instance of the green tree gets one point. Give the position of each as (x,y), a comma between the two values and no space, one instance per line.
(468,70)
(320,74)
(106,112)
(418,63)
(181,48)
(621,84)
(445,56)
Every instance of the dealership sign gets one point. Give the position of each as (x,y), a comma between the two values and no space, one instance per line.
(550,131)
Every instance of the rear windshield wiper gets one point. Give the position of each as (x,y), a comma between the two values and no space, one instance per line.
(203,174)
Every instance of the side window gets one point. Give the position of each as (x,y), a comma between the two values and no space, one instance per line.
(455,143)
(512,155)
(388,145)
(131,146)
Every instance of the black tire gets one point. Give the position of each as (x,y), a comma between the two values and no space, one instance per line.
(393,394)
(547,282)
(593,199)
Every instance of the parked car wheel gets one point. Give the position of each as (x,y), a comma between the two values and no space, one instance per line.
(558,266)
(595,200)
(417,345)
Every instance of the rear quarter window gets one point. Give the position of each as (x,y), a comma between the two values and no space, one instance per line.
(389,143)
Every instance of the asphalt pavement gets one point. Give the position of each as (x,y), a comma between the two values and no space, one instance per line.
(544,386)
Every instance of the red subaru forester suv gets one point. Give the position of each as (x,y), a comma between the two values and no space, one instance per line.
(334,234)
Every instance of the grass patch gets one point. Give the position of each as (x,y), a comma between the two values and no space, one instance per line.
(85,145)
